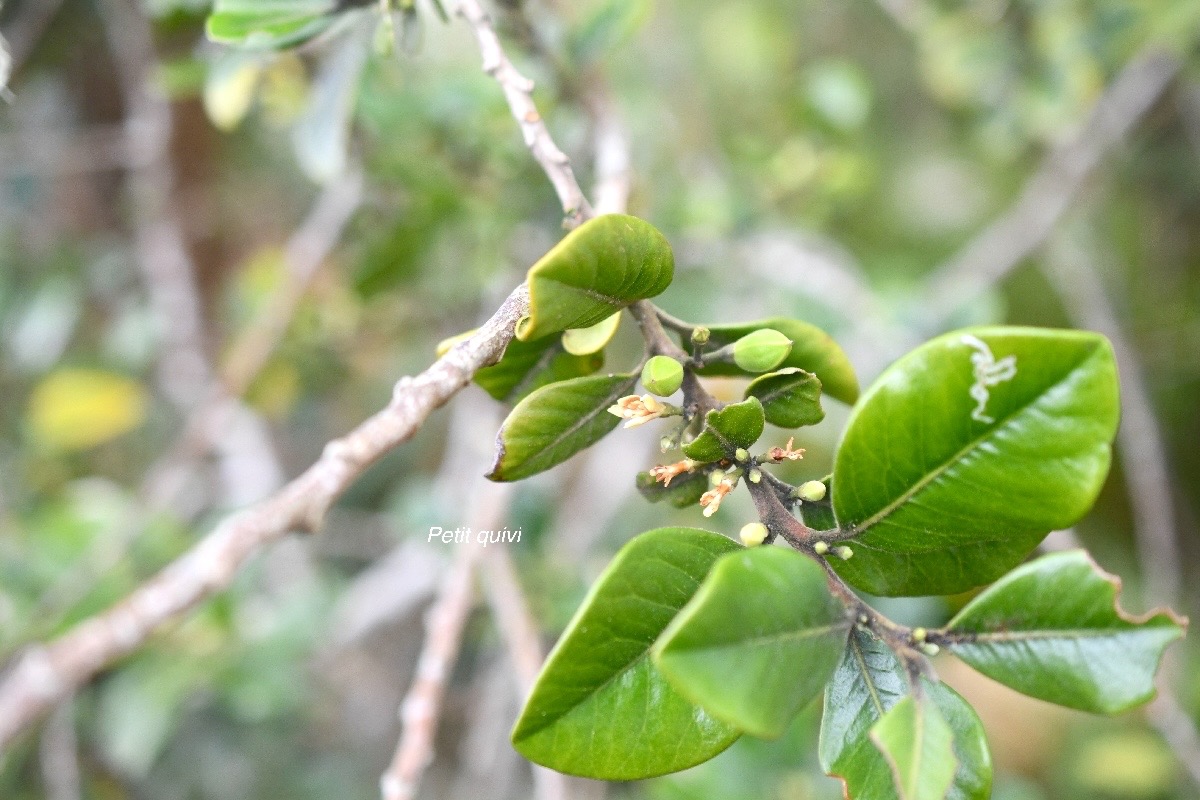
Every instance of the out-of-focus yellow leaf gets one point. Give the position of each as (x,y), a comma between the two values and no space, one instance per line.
(230,90)
(74,409)
(276,390)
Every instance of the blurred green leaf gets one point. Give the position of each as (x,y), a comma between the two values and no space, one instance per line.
(917,743)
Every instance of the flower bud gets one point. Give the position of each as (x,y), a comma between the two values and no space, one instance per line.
(716,476)
(919,634)
(930,649)
(741,454)
(843,552)
(812,491)
(761,351)
(821,548)
(753,534)
(755,475)
(662,376)
(700,335)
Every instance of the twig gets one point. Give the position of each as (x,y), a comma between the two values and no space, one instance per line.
(1179,730)
(518,91)
(421,709)
(45,674)
(1004,244)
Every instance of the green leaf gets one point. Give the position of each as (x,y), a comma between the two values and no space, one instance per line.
(790,397)
(726,429)
(1053,630)
(951,471)
(758,641)
(867,683)
(813,350)
(585,341)
(556,422)
(596,270)
(917,743)
(600,707)
(684,490)
(526,366)
(269,24)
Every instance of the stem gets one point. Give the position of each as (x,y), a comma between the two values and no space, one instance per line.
(696,399)
(674,323)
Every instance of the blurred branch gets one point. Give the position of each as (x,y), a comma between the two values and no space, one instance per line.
(1179,731)
(26,29)
(46,674)
(59,752)
(1047,195)
(422,705)
(518,91)
(167,269)
(1143,452)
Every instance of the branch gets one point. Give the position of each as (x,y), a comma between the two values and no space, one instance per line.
(518,91)
(46,674)
(422,705)
(1004,244)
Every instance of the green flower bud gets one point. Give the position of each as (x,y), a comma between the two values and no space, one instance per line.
(844,553)
(700,335)
(753,534)
(761,351)
(812,491)
(755,475)
(821,548)
(662,376)
(919,634)
(716,476)
(741,454)
(930,649)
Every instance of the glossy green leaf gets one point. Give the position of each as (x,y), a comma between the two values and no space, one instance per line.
(556,422)
(867,683)
(726,429)
(585,341)
(917,743)
(1053,629)
(813,350)
(600,707)
(596,270)
(758,641)
(683,491)
(790,397)
(968,451)
(526,366)
(269,24)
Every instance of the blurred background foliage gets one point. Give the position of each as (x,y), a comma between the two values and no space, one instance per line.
(811,159)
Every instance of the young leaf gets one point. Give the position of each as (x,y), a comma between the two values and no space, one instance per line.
(1053,629)
(600,707)
(596,270)
(725,430)
(269,24)
(556,422)
(813,350)
(867,683)
(917,743)
(758,641)
(684,490)
(526,366)
(968,451)
(790,397)
(584,341)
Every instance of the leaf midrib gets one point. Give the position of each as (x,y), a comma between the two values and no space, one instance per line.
(938,471)
(583,420)
(768,638)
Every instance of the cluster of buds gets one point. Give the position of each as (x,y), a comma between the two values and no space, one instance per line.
(778,454)
(637,410)
(665,472)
